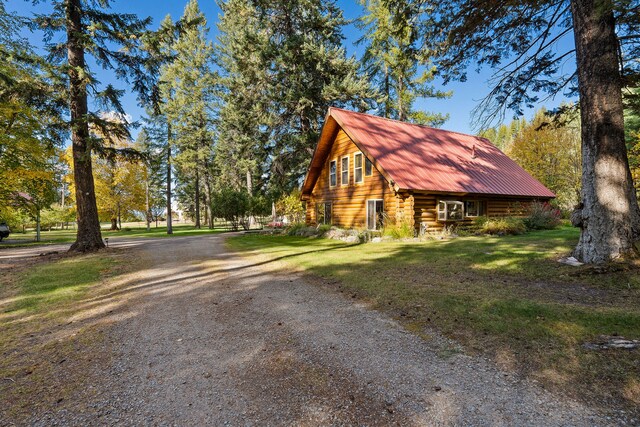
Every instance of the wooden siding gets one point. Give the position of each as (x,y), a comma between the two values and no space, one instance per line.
(426,208)
(349,202)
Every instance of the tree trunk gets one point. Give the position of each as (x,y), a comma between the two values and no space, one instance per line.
(250,191)
(88,237)
(38,224)
(147,212)
(609,217)
(207,186)
(387,93)
(169,222)
(402,115)
(114,223)
(197,197)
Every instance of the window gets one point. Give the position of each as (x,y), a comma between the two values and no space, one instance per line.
(357,168)
(344,171)
(375,214)
(473,208)
(323,213)
(332,173)
(450,211)
(368,168)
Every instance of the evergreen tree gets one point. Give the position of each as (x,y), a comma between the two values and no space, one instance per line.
(394,61)
(189,91)
(301,69)
(245,113)
(111,39)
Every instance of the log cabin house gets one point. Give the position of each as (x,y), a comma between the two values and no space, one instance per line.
(367,168)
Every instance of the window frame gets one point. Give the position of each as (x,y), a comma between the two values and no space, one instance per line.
(479,208)
(335,174)
(344,170)
(355,168)
(446,211)
(376,201)
(368,162)
(324,206)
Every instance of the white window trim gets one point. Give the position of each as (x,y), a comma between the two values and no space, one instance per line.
(361,167)
(367,213)
(342,170)
(478,204)
(446,210)
(336,162)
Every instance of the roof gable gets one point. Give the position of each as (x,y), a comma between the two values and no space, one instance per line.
(415,157)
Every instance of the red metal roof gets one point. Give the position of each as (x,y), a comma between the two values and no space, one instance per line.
(422,158)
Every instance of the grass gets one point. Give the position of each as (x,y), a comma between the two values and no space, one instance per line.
(46,354)
(507,297)
(68,236)
(63,281)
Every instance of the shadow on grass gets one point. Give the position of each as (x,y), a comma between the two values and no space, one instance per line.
(505,296)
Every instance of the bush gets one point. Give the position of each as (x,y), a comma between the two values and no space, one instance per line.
(232,205)
(301,229)
(291,207)
(398,230)
(542,216)
(500,226)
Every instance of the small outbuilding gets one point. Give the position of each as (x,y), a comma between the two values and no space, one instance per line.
(367,168)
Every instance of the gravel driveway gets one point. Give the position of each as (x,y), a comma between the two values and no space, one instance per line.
(204,337)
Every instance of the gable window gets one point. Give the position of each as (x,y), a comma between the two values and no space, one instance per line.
(473,208)
(368,168)
(323,213)
(344,171)
(357,168)
(333,173)
(375,212)
(450,210)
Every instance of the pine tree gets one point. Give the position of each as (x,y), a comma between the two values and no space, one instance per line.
(245,113)
(158,46)
(301,68)
(189,91)
(112,41)
(394,61)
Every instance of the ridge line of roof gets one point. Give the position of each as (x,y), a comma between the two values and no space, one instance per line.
(410,124)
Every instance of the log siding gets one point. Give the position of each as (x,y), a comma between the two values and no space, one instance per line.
(419,208)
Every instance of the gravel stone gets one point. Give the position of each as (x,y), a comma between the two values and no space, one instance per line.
(204,337)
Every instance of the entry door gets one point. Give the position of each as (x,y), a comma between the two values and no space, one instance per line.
(375,209)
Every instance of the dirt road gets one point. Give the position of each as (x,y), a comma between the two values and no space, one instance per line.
(202,337)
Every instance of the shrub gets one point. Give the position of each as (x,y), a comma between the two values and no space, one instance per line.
(291,207)
(542,216)
(500,226)
(398,230)
(232,205)
(301,229)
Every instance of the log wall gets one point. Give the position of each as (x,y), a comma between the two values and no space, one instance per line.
(349,202)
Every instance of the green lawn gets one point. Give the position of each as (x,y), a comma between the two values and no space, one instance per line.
(46,352)
(68,236)
(507,297)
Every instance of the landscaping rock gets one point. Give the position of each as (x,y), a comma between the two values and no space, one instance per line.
(570,261)
(606,342)
(351,239)
(376,240)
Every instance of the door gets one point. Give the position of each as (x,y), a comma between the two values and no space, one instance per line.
(375,211)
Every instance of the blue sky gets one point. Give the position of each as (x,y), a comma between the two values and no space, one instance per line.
(465,97)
